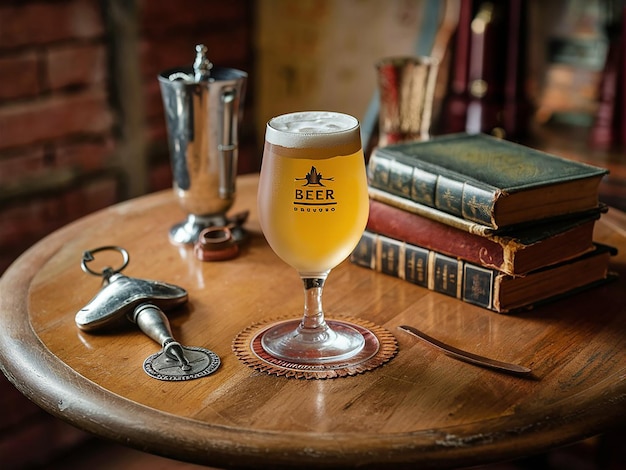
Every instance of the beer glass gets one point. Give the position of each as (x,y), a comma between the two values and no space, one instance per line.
(313,207)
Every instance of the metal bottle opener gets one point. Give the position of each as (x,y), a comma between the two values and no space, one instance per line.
(140,301)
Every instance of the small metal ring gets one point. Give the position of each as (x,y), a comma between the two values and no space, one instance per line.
(216,244)
(215,238)
(88,256)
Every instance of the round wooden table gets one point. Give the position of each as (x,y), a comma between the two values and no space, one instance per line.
(422,408)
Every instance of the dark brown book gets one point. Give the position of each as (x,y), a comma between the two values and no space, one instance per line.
(478,285)
(530,248)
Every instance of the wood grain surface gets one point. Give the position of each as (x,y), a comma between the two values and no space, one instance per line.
(420,408)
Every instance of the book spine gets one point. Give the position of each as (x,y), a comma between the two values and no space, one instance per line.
(422,183)
(427,268)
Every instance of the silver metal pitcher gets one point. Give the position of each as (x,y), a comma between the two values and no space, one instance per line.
(203,110)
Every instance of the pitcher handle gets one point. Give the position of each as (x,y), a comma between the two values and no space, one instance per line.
(228,147)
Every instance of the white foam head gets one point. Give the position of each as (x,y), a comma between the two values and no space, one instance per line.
(312,128)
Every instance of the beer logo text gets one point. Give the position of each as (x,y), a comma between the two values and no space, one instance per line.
(314,196)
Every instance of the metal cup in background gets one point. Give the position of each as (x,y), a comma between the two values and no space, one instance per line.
(203,109)
(407,90)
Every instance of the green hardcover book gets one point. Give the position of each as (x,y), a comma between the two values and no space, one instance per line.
(485,180)
(476,284)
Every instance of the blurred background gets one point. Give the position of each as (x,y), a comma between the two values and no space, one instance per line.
(82,125)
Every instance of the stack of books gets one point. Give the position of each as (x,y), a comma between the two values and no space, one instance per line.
(485,220)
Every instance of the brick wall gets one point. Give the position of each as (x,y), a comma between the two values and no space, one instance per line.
(226,29)
(55,120)
(81,118)
(82,127)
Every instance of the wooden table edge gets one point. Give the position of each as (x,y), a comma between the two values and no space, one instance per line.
(25,361)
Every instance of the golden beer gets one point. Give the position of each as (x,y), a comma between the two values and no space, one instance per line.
(314,207)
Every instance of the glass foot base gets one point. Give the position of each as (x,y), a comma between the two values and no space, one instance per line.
(337,341)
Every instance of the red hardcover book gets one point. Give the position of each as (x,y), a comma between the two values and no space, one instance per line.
(528,249)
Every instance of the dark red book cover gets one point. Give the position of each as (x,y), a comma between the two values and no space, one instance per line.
(529,249)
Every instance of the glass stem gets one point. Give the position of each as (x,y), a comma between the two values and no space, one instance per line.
(313,313)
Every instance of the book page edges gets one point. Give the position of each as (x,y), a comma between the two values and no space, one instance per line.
(552,281)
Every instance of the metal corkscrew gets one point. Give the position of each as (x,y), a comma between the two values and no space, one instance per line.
(141,302)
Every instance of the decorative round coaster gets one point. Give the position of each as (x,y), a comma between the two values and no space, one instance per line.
(380,347)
